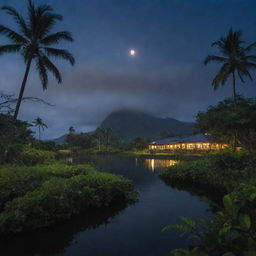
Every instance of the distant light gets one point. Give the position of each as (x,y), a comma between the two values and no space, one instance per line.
(132,52)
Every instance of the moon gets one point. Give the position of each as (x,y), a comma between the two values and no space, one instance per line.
(132,52)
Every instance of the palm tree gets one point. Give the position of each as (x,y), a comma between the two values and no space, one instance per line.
(71,130)
(34,40)
(236,59)
(38,122)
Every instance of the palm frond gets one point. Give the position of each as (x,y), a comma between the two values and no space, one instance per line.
(211,58)
(243,70)
(42,9)
(60,53)
(222,76)
(10,48)
(32,16)
(42,72)
(14,36)
(56,37)
(250,47)
(249,57)
(18,19)
(240,76)
(46,23)
(250,65)
(52,68)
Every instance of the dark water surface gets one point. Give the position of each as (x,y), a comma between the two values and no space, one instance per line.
(123,231)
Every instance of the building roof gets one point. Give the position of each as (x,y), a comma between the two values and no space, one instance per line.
(194,138)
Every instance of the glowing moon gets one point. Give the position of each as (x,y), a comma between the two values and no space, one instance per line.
(132,52)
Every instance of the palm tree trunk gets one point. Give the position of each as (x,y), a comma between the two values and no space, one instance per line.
(234,86)
(22,88)
(234,94)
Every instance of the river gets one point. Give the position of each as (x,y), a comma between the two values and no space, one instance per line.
(121,231)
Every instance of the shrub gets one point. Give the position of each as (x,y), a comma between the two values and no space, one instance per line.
(60,198)
(219,171)
(32,156)
(16,181)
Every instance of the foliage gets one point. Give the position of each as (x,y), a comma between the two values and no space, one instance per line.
(218,171)
(31,156)
(82,140)
(23,135)
(228,122)
(40,196)
(236,59)
(138,144)
(45,145)
(38,122)
(101,140)
(233,230)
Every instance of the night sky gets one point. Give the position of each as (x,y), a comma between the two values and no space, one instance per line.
(166,78)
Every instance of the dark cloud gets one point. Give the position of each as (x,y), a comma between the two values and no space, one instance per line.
(167,77)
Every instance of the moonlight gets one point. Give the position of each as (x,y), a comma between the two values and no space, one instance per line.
(132,52)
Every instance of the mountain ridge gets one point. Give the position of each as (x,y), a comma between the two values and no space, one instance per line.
(129,124)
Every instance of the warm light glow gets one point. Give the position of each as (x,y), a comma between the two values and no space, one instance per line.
(132,52)
(189,146)
(158,164)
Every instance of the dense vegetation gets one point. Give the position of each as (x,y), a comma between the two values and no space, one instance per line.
(42,195)
(232,175)
(231,122)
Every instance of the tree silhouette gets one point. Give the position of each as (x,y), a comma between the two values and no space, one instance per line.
(236,59)
(38,122)
(34,40)
(71,129)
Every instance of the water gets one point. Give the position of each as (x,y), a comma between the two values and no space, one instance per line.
(127,231)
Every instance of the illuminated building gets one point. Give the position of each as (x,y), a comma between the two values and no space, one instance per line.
(196,142)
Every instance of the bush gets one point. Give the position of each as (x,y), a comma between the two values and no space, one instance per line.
(16,181)
(218,171)
(32,156)
(60,198)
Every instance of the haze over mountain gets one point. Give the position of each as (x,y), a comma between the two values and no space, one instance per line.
(129,124)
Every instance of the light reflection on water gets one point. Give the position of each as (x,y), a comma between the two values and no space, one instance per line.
(158,164)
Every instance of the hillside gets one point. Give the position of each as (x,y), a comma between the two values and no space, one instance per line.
(60,140)
(128,124)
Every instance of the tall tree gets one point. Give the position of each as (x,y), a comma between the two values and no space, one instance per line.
(236,59)
(38,122)
(34,40)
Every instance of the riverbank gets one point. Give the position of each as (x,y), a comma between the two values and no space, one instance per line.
(39,196)
(233,176)
(143,153)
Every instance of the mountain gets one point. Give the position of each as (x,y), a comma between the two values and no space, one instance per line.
(129,124)
(60,140)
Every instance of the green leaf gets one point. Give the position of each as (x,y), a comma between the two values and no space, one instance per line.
(230,208)
(245,221)
(176,226)
(252,196)
(188,221)
(227,202)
